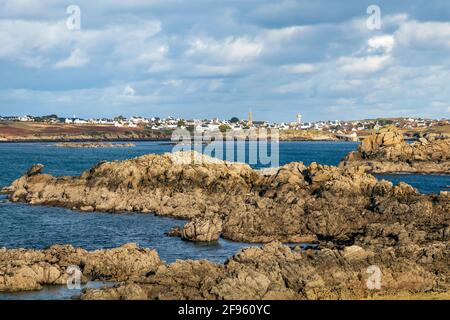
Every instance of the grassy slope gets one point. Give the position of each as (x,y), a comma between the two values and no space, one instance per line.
(35,131)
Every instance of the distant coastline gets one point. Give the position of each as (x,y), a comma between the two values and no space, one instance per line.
(75,140)
(163,140)
(29,132)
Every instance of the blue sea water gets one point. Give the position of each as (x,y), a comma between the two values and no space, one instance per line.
(28,226)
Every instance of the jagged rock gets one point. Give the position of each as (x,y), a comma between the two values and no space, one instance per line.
(275,271)
(120,264)
(294,203)
(35,169)
(202,229)
(356,253)
(386,137)
(22,269)
(386,151)
(124,292)
(174,232)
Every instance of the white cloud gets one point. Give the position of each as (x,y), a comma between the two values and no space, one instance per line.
(286,34)
(424,35)
(27,8)
(345,102)
(375,57)
(300,68)
(75,59)
(215,70)
(229,49)
(38,43)
(174,83)
(303,60)
(128,91)
(385,42)
(346,85)
(215,85)
(158,53)
(295,87)
(363,64)
(29,40)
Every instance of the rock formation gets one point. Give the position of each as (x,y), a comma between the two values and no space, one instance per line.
(199,230)
(386,151)
(273,271)
(278,272)
(22,269)
(294,203)
(362,225)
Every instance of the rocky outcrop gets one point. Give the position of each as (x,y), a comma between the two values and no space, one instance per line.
(202,229)
(386,151)
(22,269)
(278,272)
(35,169)
(273,271)
(306,135)
(294,203)
(205,229)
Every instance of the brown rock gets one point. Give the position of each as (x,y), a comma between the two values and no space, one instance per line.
(277,272)
(202,229)
(35,169)
(22,269)
(385,151)
(294,202)
(273,271)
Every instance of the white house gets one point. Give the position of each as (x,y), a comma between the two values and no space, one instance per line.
(25,119)
(213,126)
(80,121)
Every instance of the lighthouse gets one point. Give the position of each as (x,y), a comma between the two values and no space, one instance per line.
(299,118)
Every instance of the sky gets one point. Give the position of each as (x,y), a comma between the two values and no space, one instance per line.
(223,58)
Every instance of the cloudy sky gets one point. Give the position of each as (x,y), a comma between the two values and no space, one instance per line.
(205,58)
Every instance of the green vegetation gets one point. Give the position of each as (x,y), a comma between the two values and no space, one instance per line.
(224,128)
(119,118)
(50,117)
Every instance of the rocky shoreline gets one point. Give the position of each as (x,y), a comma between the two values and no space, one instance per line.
(163,139)
(273,271)
(26,269)
(341,209)
(93,145)
(386,151)
(85,139)
(294,203)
